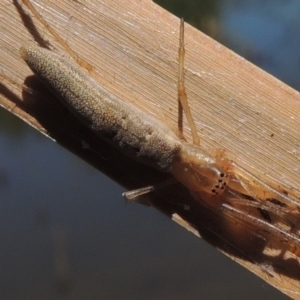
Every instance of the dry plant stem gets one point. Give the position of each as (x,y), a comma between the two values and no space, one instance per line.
(223,90)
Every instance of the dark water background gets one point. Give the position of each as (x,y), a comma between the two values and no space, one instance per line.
(66,232)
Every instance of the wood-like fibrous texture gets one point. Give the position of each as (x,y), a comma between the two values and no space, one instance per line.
(133,45)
